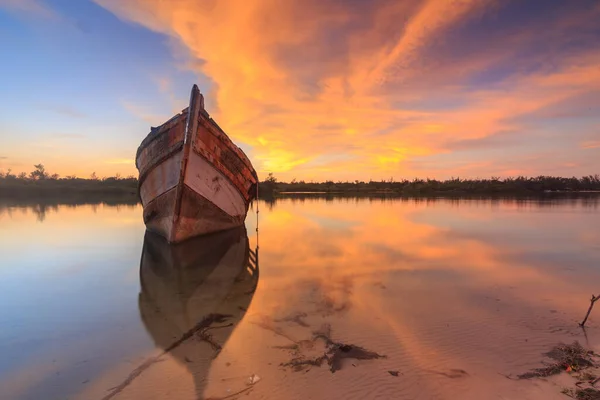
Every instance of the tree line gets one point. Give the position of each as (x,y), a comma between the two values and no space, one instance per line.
(39,180)
(516,185)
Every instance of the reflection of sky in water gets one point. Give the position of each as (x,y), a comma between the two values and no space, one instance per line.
(496,272)
(69,286)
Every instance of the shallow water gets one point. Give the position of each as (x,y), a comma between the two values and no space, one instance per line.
(454,293)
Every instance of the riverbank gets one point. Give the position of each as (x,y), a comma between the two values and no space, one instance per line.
(40,184)
(453,187)
(128,189)
(117,190)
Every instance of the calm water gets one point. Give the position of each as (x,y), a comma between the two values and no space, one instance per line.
(452,292)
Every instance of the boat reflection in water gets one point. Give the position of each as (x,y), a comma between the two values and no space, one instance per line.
(194,293)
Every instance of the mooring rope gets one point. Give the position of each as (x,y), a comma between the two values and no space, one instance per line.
(257,211)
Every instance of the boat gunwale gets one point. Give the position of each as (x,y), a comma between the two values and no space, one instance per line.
(163,129)
(229,143)
(155,162)
(155,133)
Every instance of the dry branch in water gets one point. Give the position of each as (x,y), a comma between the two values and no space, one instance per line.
(592,301)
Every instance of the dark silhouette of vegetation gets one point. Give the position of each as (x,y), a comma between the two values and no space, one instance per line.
(40,183)
(454,186)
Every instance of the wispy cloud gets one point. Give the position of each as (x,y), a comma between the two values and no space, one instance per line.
(144,113)
(63,109)
(165,87)
(37,8)
(120,161)
(591,145)
(68,135)
(3,158)
(379,88)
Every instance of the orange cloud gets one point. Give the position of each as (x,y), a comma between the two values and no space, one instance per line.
(318,87)
(591,144)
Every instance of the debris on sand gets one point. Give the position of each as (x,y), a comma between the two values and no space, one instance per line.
(297,318)
(394,373)
(334,353)
(567,358)
(579,362)
(340,351)
(451,373)
(583,394)
(253,379)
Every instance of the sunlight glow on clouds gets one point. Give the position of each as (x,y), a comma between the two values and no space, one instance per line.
(329,89)
(371,72)
(125,161)
(591,145)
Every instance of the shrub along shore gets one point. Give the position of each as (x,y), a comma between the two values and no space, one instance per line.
(40,183)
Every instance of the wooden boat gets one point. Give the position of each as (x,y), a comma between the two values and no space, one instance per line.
(193,179)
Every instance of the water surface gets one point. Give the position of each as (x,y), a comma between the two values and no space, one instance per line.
(454,293)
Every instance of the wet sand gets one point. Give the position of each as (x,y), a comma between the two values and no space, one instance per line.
(450,358)
(365,301)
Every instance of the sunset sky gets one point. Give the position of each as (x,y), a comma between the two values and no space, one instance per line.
(309,89)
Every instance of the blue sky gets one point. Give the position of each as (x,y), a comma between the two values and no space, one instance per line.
(82,85)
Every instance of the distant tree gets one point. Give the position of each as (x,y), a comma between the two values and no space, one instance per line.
(39,173)
(93,176)
(271,178)
(54,177)
(117,176)
(22,176)
(268,186)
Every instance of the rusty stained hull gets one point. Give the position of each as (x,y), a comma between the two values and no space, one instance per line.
(193,179)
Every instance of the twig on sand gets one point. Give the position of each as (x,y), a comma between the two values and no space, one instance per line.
(592,301)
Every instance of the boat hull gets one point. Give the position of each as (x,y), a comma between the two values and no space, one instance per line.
(193,179)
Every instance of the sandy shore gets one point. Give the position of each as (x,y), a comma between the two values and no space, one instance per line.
(429,349)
